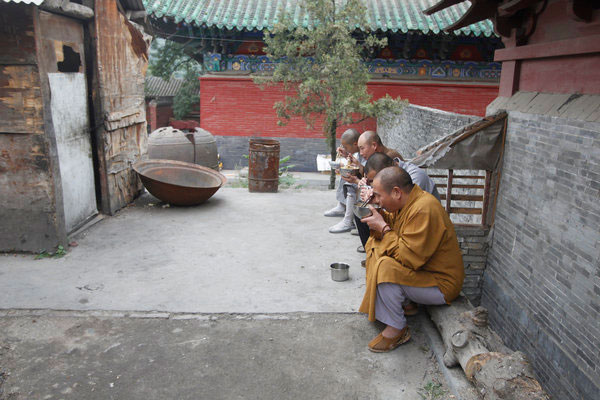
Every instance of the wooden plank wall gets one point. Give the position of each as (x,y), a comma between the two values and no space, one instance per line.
(27,194)
(121,118)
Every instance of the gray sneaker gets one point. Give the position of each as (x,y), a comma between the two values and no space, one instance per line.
(337,211)
(342,226)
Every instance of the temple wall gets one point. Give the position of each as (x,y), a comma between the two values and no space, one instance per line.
(233,109)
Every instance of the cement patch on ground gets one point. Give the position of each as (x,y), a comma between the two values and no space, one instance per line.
(289,356)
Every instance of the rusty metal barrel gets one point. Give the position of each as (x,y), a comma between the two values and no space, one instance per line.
(263,165)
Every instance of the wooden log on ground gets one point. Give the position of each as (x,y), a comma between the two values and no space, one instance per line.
(496,372)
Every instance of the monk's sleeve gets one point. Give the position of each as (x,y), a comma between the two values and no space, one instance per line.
(421,236)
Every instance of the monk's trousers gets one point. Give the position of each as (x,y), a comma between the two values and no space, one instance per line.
(391,296)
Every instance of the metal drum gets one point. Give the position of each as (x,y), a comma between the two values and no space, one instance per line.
(263,165)
(199,147)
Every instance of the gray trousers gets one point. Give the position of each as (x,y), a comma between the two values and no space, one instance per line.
(391,296)
(343,189)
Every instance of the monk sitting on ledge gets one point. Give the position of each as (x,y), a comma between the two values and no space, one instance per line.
(412,255)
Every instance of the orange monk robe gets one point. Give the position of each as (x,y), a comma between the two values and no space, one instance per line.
(421,250)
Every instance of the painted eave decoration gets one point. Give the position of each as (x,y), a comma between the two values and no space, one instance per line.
(382,15)
(36,2)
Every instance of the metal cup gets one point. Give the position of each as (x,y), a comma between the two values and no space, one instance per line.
(339,272)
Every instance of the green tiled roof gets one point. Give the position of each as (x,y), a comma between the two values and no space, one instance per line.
(384,15)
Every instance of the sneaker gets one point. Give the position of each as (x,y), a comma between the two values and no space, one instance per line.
(342,226)
(360,249)
(354,232)
(337,211)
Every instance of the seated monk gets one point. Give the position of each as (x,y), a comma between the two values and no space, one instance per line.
(412,255)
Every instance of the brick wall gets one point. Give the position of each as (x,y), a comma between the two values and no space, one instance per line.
(474,249)
(235,106)
(158,115)
(417,126)
(542,281)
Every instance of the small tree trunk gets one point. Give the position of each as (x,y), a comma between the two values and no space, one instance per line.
(468,341)
(331,140)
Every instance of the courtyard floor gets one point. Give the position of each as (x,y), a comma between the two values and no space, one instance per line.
(232,299)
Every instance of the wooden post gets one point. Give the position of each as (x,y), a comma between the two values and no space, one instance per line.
(486,197)
(449,191)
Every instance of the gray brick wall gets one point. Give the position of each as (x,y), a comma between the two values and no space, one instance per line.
(417,126)
(474,249)
(303,151)
(542,281)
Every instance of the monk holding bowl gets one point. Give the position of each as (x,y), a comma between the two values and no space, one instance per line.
(412,255)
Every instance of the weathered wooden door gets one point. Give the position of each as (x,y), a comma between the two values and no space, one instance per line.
(62,54)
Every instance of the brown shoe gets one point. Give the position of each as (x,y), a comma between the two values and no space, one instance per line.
(410,309)
(363,263)
(381,344)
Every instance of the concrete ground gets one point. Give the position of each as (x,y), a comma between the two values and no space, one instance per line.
(230,299)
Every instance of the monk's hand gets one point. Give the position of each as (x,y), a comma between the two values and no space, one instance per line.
(351,159)
(375,220)
(365,192)
(350,178)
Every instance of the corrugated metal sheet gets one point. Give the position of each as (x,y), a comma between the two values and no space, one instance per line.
(36,2)
(384,15)
(157,87)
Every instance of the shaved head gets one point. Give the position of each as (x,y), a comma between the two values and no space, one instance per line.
(392,177)
(371,137)
(350,136)
(377,162)
(367,144)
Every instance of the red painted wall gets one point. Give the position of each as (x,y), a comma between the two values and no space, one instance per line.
(233,106)
(158,116)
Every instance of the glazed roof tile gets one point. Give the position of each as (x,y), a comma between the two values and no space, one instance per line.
(384,15)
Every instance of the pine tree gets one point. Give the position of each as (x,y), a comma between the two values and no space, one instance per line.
(323,64)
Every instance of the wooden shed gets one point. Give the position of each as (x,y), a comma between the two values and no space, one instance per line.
(72,115)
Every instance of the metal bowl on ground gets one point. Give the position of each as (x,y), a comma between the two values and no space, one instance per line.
(349,171)
(362,212)
(339,272)
(179,183)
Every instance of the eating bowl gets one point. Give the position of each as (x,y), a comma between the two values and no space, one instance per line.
(339,272)
(362,212)
(349,171)
(334,164)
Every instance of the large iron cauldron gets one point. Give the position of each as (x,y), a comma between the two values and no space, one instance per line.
(179,183)
(198,147)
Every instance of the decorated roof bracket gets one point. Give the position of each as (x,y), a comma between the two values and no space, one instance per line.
(511,18)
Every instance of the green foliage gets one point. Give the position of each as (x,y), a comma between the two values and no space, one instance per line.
(168,59)
(188,95)
(323,66)
(60,252)
(432,391)
(286,178)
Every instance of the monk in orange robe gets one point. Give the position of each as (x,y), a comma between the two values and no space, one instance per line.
(412,255)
